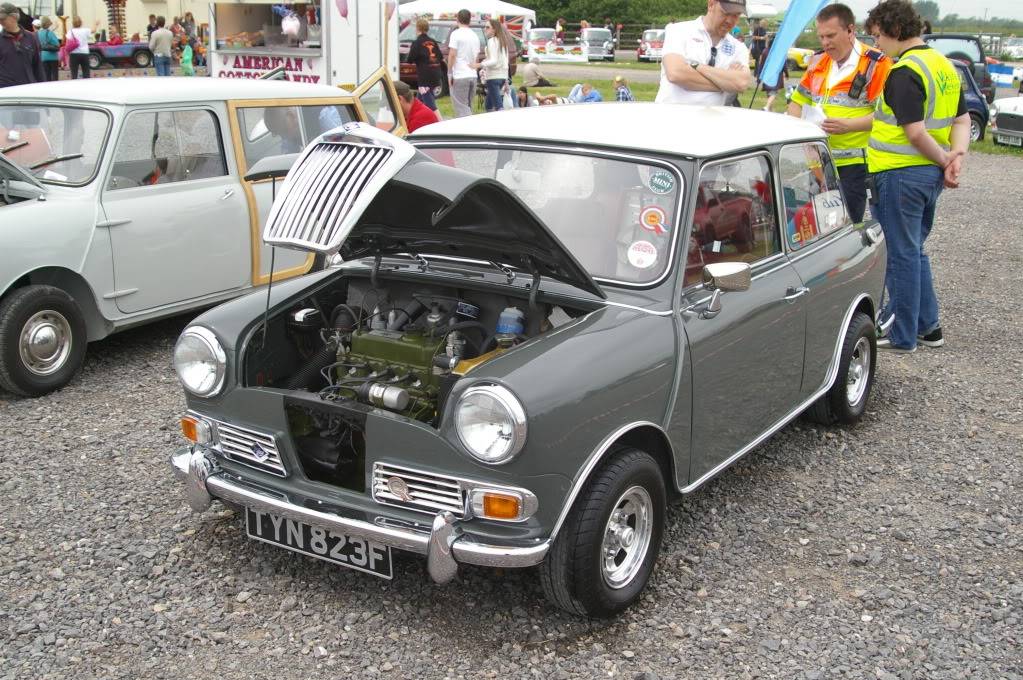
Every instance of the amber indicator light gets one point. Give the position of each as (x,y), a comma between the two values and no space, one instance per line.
(499,506)
(189,428)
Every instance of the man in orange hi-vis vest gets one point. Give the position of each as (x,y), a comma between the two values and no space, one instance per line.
(838,92)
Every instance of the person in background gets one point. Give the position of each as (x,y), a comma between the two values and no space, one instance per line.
(49,46)
(79,57)
(161,42)
(771,89)
(583,93)
(463,49)
(702,62)
(559,30)
(758,35)
(495,65)
(151,26)
(115,37)
(188,26)
(622,91)
(426,54)
(417,114)
(186,57)
(175,27)
(838,92)
(20,63)
(918,139)
(26,20)
(608,24)
(531,75)
(927,28)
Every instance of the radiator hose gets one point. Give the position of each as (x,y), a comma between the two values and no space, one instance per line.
(305,375)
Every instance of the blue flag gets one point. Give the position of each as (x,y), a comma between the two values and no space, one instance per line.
(799,14)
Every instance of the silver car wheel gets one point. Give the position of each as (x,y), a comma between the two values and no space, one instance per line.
(45,342)
(859,372)
(627,537)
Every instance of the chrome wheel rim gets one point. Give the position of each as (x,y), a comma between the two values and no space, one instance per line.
(45,342)
(974,131)
(627,537)
(859,372)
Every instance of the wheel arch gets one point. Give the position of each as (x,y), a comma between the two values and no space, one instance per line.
(645,436)
(72,283)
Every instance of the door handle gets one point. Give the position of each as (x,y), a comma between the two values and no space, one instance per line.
(228,193)
(874,234)
(792,293)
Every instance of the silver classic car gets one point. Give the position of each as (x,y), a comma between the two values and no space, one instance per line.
(545,324)
(124,200)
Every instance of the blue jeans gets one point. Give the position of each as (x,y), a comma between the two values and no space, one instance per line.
(162,65)
(495,99)
(905,207)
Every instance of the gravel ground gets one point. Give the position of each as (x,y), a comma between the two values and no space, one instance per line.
(891,550)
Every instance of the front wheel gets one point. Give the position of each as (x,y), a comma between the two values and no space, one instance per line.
(976,128)
(606,550)
(42,340)
(142,58)
(95,60)
(846,401)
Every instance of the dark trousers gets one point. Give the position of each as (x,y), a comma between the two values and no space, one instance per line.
(853,179)
(51,69)
(79,61)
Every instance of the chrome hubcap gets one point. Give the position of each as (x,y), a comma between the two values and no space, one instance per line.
(859,372)
(627,537)
(45,342)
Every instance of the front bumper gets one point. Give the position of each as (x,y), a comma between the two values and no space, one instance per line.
(444,545)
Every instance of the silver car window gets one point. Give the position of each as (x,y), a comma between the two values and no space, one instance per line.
(164,147)
(57,144)
(270,131)
(814,206)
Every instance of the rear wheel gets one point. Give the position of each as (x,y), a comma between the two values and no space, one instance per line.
(606,550)
(976,128)
(142,58)
(95,60)
(846,401)
(42,340)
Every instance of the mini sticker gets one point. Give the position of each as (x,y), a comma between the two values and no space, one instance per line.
(662,182)
(654,219)
(642,255)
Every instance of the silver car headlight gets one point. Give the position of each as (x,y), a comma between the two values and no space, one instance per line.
(200,361)
(491,423)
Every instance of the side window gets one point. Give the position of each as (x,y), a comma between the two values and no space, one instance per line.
(379,108)
(735,218)
(165,147)
(276,130)
(814,206)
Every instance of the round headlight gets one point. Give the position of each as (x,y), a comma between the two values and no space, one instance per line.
(200,361)
(491,423)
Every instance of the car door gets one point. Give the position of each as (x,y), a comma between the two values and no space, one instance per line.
(264,128)
(377,103)
(746,360)
(178,222)
(822,246)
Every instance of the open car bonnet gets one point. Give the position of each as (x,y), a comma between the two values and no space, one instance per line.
(13,172)
(363,192)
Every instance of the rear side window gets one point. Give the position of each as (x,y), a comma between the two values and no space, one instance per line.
(735,218)
(957,48)
(814,206)
(166,147)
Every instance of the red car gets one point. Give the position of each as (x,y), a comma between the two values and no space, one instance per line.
(651,45)
(439,31)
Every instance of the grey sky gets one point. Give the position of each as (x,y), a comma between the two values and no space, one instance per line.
(1012,9)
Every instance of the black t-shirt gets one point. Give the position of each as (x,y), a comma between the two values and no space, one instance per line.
(759,39)
(425,53)
(904,92)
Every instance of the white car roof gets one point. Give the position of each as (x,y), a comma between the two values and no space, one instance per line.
(133,91)
(698,131)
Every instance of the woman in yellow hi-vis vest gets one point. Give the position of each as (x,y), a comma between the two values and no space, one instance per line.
(920,133)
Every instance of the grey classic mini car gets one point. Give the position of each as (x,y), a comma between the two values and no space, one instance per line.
(545,324)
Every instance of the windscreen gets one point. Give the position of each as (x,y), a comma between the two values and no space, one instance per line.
(56,144)
(616,217)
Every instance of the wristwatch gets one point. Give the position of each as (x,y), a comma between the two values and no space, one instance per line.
(694,64)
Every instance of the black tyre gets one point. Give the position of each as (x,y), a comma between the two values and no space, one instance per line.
(142,58)
(95,60)
(847,399)
(606,550)
(42,340)
(976,128)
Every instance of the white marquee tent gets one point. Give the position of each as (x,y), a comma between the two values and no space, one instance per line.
(491,7)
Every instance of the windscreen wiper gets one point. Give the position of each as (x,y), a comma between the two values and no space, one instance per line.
(55,159)
(12,147)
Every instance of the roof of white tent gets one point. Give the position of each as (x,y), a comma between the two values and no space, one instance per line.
(756,10)
(492,7)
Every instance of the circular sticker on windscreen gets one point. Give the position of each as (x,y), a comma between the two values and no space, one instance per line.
(654,219)
(661,182)
(642,255)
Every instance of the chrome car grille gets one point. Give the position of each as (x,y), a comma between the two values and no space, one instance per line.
(320,192)
(425,491)
(1009,122)
(256,449)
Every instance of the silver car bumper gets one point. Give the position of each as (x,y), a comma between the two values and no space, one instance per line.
(444,546)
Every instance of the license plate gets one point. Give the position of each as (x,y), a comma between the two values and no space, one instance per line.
(1011,141)
(348,551)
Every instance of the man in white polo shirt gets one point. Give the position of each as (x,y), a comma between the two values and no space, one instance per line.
(702,62)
